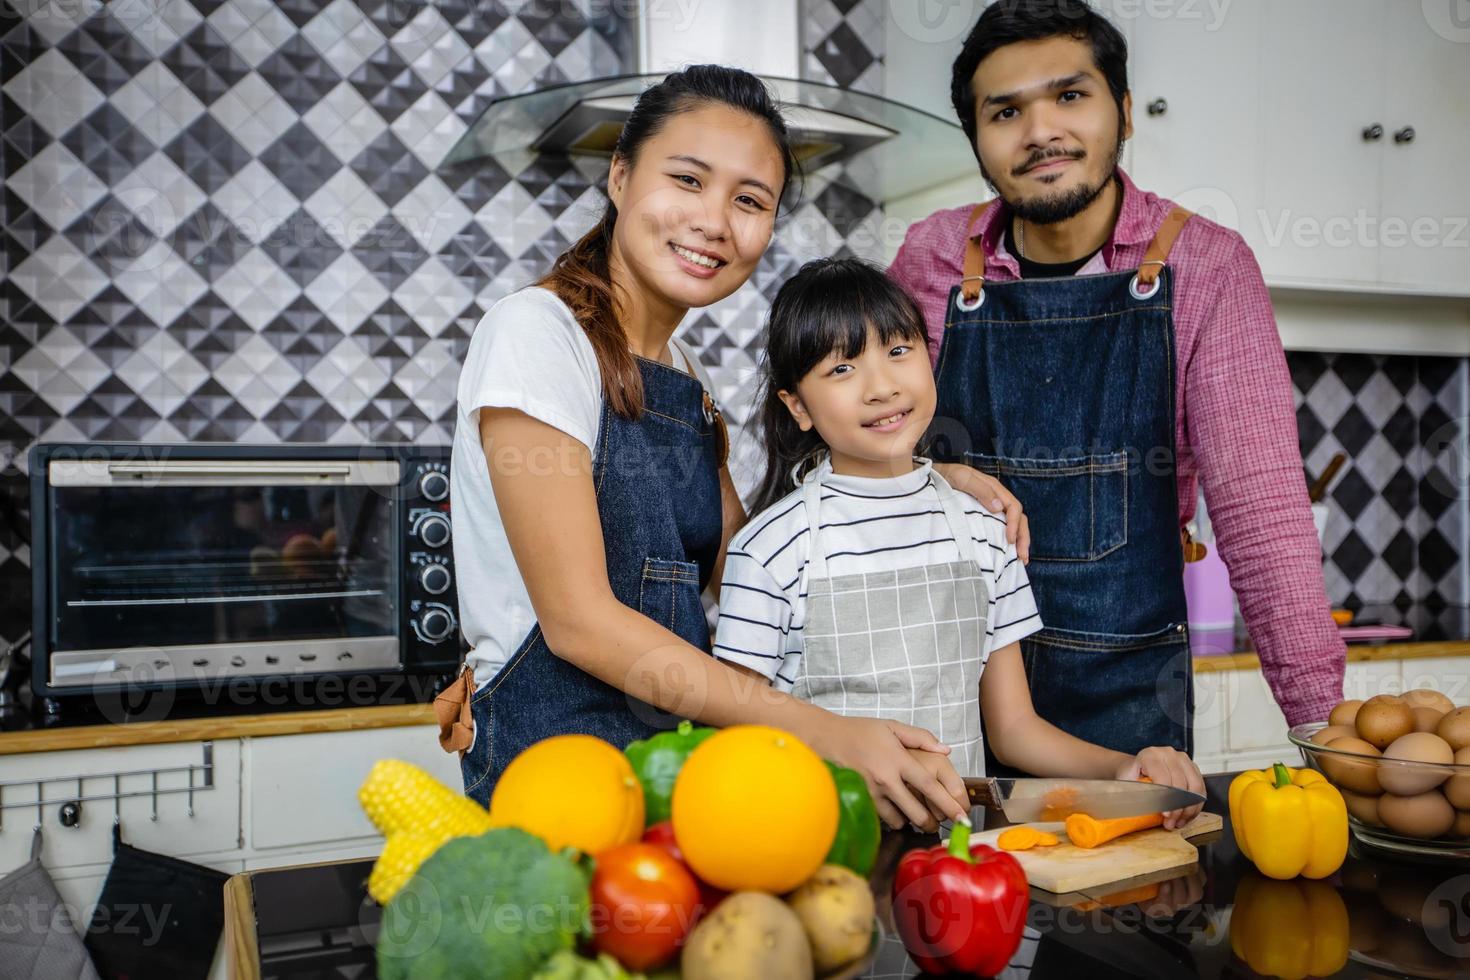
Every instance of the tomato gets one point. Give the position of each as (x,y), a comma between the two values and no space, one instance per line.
(643,905)
(662,835)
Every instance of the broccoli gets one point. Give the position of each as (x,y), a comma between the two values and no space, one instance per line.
(494,906)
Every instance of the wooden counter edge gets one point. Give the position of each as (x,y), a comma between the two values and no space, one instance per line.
(205,729)
(1205,663)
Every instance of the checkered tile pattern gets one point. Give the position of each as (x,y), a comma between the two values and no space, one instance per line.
(224,219)
(1396,529)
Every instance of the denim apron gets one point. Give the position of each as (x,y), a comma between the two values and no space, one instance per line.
(658,499)
(904,644)
(1063,389)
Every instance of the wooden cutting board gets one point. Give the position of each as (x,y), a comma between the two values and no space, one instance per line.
(1065,868)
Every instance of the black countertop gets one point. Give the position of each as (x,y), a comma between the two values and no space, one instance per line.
(1221,919)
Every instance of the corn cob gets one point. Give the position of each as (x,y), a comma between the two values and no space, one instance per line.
(416,813)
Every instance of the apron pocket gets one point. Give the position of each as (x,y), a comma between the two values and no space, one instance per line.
(1077,505)
(669,595)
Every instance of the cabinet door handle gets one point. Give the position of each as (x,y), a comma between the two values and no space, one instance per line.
(1158,107)
(1405,135)
(1373,133)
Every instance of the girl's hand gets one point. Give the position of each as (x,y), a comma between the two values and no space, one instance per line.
(994,497)
(1169,767)
(937,764)
(903,790)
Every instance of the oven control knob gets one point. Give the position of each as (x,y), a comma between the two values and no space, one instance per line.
(434,530)
(437,622)
(435,579)
(434,486)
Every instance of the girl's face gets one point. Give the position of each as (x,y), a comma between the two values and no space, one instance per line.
(697,209)
(870,410)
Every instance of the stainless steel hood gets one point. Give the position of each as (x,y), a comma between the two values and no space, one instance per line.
(888,149)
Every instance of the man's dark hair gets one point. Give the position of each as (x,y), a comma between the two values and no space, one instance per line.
(1010,21)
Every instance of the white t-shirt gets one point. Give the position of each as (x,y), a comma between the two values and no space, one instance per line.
(528,353)
(868,525)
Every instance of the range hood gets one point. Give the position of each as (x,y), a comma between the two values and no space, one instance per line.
(887,149)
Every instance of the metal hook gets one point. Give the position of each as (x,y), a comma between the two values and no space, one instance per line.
(116,800)
(40,802)
(154,816)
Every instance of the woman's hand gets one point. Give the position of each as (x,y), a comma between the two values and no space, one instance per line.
(1168,767)
(994,497)
(938,765)
(903,790)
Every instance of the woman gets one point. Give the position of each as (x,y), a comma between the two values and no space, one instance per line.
(591,500)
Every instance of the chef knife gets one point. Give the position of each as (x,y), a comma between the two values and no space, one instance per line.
(1056,799)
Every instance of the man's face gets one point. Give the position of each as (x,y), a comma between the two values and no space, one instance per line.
(1046,127)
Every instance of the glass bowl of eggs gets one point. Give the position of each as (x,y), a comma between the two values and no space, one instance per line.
(1402,764)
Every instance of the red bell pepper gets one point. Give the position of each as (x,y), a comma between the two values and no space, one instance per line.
(961,908)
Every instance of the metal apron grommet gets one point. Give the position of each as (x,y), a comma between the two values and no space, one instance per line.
(1136,294)
(979,302)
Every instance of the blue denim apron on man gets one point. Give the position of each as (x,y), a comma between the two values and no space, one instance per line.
(1063,389)
(658,499)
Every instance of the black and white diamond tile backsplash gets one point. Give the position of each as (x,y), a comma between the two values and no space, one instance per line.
(224,220)
(1396,531)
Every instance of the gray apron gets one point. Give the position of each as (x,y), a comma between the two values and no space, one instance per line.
(904,644)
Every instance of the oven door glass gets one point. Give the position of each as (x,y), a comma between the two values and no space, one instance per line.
(245,556)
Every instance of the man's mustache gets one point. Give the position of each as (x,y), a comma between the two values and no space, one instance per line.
(1041,157)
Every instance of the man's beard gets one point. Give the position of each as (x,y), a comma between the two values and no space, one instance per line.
(1049,209)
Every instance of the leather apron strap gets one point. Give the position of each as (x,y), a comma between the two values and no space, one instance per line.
(1154,258)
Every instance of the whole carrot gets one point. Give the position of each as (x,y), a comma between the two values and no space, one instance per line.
(1085,831)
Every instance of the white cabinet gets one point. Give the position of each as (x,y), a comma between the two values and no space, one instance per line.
(1287,120)
(1424,238)
(1189,144)
(302,789)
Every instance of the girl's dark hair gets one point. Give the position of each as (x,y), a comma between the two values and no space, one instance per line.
(580,275)
(827,306)
(1010,21)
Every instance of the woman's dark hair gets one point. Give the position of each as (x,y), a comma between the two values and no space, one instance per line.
(580,275)
(1011,21)
(827,306)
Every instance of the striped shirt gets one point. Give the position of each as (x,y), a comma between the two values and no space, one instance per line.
(868,525)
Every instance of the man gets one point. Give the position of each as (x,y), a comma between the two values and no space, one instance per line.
(1085,334)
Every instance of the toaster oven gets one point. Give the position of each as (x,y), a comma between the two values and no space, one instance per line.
(182,566)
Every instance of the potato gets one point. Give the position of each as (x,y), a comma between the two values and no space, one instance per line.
(835,906)
(750,934)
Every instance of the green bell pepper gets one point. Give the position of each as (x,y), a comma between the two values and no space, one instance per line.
(858,829)
(657,761)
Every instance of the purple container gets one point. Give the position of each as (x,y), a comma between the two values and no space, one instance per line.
(1207,592)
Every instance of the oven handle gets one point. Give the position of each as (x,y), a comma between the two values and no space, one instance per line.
(206,469)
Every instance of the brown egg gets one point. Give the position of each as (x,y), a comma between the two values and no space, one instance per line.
(1424,697)
(1409,780)
(1358,776)
(1364,808)
(1454,728)
(1457,787)
(1462,824)
(1426,719)
(1423,816)
(1382,719)
(1344,713)
(1334,731)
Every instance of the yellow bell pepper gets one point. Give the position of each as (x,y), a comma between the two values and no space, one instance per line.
(1289,822)
(1289,929)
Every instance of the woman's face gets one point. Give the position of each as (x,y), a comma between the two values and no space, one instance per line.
(696,209)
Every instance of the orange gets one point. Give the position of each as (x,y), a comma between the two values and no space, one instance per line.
(572,790)
(754,809)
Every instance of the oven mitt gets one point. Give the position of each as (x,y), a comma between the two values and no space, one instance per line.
(46,946)
(157,917)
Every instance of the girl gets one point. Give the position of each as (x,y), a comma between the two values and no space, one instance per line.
(873,589)
(591,500)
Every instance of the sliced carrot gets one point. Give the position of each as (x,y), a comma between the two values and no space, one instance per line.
(1085,831)
(1025,838)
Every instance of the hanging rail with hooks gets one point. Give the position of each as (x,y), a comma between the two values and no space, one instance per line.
(71,803)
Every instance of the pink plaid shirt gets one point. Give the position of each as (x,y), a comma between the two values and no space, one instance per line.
(1236,429)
